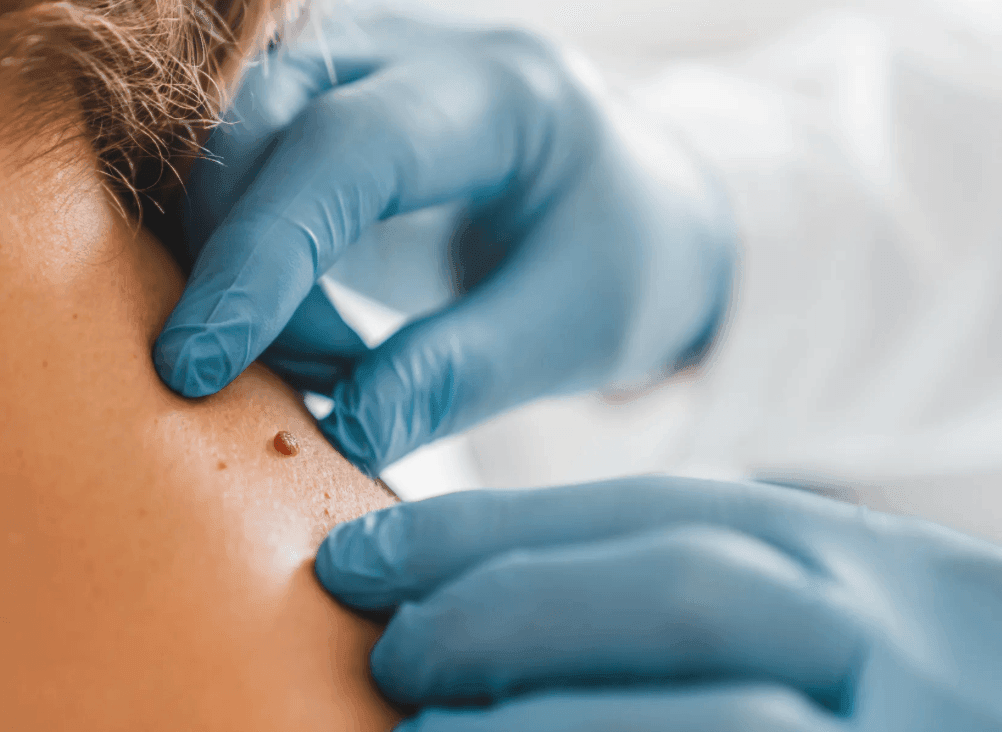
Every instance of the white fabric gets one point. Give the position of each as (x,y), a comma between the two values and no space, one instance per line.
(863,154)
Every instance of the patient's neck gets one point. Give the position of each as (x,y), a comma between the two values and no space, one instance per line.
(58,209)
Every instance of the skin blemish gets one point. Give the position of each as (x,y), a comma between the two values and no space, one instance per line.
(286,443)
(221,465)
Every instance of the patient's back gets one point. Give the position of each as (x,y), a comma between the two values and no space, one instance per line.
(155,552)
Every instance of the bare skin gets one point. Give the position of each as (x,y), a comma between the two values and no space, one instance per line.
(155,552)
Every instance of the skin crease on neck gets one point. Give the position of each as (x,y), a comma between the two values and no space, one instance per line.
(155,552)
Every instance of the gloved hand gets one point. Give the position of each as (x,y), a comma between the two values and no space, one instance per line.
(615,248)
(674,604)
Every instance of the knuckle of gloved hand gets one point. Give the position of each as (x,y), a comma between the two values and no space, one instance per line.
(263,108)
(698,545)
(271,95)
(538,67)
(701,560)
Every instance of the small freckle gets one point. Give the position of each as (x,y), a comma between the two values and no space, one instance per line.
(74,316)
(286,443)
(327,495)
(221,465)
(327,512)
(45,364)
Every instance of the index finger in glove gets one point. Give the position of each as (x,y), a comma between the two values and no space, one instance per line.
(401,139)
(405,552)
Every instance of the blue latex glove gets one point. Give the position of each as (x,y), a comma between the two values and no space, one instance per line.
(674,604)
(616,248)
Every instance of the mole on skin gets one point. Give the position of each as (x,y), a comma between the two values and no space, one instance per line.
(286,443)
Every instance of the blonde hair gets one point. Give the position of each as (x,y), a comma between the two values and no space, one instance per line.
(148,76)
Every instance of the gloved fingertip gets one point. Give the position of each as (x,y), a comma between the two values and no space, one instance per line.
(338,557)
(359,561)
(325,566)
(193,361)
(346,431)
(381,667)
(396,661)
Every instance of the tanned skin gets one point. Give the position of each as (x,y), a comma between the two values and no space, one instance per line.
(155,552)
